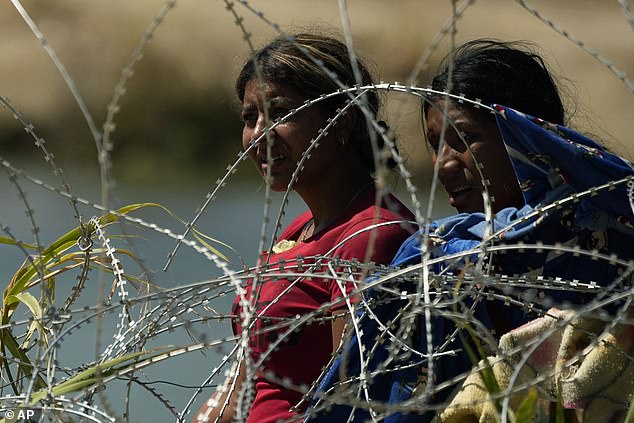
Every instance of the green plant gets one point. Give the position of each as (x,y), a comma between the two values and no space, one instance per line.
(74,250)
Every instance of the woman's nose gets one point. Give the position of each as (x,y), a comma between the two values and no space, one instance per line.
(448,159)
(258,134)
(259,127)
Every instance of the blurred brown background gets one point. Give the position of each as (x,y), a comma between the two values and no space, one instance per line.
(179,111)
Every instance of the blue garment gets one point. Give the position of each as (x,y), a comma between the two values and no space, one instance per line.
(551,163)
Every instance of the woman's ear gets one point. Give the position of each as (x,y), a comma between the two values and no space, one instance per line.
(345,126)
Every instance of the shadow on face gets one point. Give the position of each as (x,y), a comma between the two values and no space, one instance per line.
(468,149)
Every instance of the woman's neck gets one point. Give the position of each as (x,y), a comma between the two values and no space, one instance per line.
(330,199)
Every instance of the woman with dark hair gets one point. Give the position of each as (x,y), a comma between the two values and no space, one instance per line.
(545,209)
(492,72)
(348,219)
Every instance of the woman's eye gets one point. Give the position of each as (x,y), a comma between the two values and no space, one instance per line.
(249,118)
(277,113)
(470,137)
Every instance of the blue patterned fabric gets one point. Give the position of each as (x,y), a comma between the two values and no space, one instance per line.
(551,163)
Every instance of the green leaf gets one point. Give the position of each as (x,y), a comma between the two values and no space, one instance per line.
(8,341)
(630,414)
(10,241)
(560,417)
(204,239)
(30,269)
(210,248)
(92,376)
(30,301)
(525,412)
(36,310)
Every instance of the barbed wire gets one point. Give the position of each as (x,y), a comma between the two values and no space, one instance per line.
(144,322)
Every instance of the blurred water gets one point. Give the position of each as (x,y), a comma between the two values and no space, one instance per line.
(235,218)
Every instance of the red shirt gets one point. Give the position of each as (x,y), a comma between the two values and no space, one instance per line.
(305,347)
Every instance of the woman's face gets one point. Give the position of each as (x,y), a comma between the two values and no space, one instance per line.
(458,167)
(290,139)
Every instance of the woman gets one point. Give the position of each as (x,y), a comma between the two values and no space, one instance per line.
(513,179)
(336,183)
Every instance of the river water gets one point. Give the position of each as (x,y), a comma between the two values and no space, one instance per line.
(235,218)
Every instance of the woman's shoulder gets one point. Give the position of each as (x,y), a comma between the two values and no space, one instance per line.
(389,218)
(388,209)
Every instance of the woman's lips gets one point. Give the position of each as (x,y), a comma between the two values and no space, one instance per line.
(457,193)
(275,160)
(459,189)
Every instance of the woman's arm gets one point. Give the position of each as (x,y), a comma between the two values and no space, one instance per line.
(338,325)
(379,244)
(214,409)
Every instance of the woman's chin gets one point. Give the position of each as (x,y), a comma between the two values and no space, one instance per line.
(463,203)
(279,186)
(276,184)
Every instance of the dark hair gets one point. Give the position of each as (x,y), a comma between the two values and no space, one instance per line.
(284,61)
(508,73)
